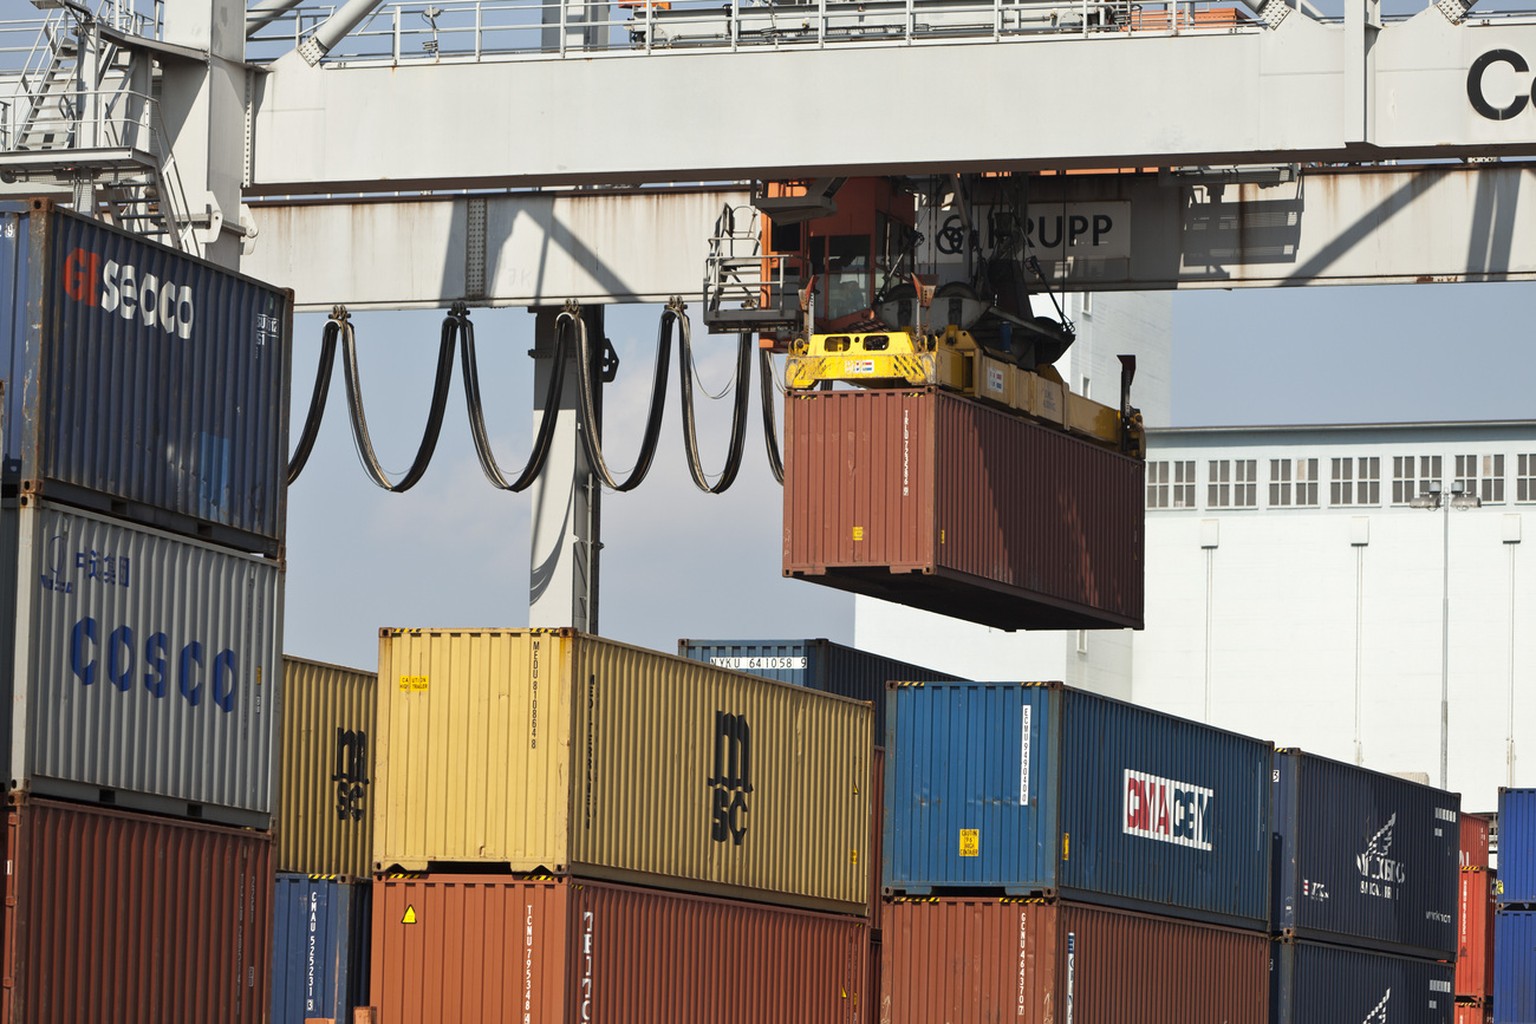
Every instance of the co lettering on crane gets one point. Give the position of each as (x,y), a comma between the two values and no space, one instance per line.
(118,657)
(135,295)
(1477,86)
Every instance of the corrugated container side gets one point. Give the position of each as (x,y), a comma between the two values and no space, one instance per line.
(819,664)
(557,751)
(1035,789)
(961,959)
(1475,830)
(319,948)
(146,382)
(880,498)
(1472,1013)
(1514,965)
(1365,859)
(135,920)
(145,667)
(1474,930)
(324,823)
(876,834)
(1517,847)
(1312,982)
(483,950)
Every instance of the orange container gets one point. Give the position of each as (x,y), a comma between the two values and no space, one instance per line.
(1473,1013)
(971,960)
(1474,929)
(474,949)
(1474,840)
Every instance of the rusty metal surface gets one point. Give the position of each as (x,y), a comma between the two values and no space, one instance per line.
(947,504)
(487,950)
(982,959)
(132,919)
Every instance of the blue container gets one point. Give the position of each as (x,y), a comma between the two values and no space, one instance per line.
(1365,859)
(320,942)
(1037,789)
(1517,847)
(816,664)
(142,382)
(1312,983)
(1514,966)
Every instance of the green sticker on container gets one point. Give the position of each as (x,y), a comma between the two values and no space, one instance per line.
(970,842)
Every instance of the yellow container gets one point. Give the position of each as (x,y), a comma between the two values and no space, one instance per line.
(551,750)
(324,823)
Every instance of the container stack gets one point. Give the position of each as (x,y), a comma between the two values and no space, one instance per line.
(141,528)
(324,843)
(571,829)
(1474,929)
(1051,854)
(1365,902)
(1514,926)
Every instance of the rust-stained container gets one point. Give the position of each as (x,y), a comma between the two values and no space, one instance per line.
(1474,929)
(488,950)
(1475,829)
(965,960)
(555,751)
(144,382)
(133,919)
(942,503)
(324,822)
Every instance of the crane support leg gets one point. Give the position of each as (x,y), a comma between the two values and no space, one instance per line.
(567,500)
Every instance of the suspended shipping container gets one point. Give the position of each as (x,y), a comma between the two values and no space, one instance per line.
(1514,966)
(819,664)
(550,750)
(324,823)
(1038,789)
(320,939)
(953,506)
(1475,830)
(488,950)
(968,959)
(1474,929)
(140,667)
(1313,983)
(1365,858)
(1517,847)
(142,381)
(134,920)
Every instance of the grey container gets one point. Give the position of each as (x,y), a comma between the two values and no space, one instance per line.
(1364,858)
(143,382)
(140,669)
(818,664)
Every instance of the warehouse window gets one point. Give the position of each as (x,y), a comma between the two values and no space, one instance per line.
(1219,491)
(1306,482)
(1292,482)
(1279,482)
(1342,490)
(1466,474)
(1356,481)
(1245,483)
(1412,475)
(1525,482)
(1493,480)
(1157,485)
(1184,483)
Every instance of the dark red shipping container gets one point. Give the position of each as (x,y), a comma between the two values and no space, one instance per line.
(947,504)
(1474,840)
(476,949)
(957,959)
(876,832)
(1474,946)
(133,919)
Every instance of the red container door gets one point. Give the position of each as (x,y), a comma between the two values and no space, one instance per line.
(1474,946)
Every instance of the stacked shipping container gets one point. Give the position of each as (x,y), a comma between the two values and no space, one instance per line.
(1367,886)
(1474,928)
(1514,928)
(1041,841)
(141,519)
(662,816)
(323,831)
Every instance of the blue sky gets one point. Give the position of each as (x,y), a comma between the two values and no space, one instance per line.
(676,562)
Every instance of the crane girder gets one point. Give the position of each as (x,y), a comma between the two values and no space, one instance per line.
(1305,91)
(1186,229)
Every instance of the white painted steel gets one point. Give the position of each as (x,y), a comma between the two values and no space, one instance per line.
(111,706)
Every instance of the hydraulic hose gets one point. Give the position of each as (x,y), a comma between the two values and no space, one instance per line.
(738,414)
(591,434)
(317,398)
(434,427)
(770,397)
(465,329)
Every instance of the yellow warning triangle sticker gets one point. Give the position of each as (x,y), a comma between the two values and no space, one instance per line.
(410,914)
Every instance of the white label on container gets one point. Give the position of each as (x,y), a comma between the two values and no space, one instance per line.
(761,664)
(1024,759)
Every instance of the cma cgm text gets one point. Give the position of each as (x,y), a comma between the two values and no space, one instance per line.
(130,293)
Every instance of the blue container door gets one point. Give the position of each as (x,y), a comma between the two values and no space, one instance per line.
(1517,847)
(1514,965)
(319,949)
(970,796)
(1163,814)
